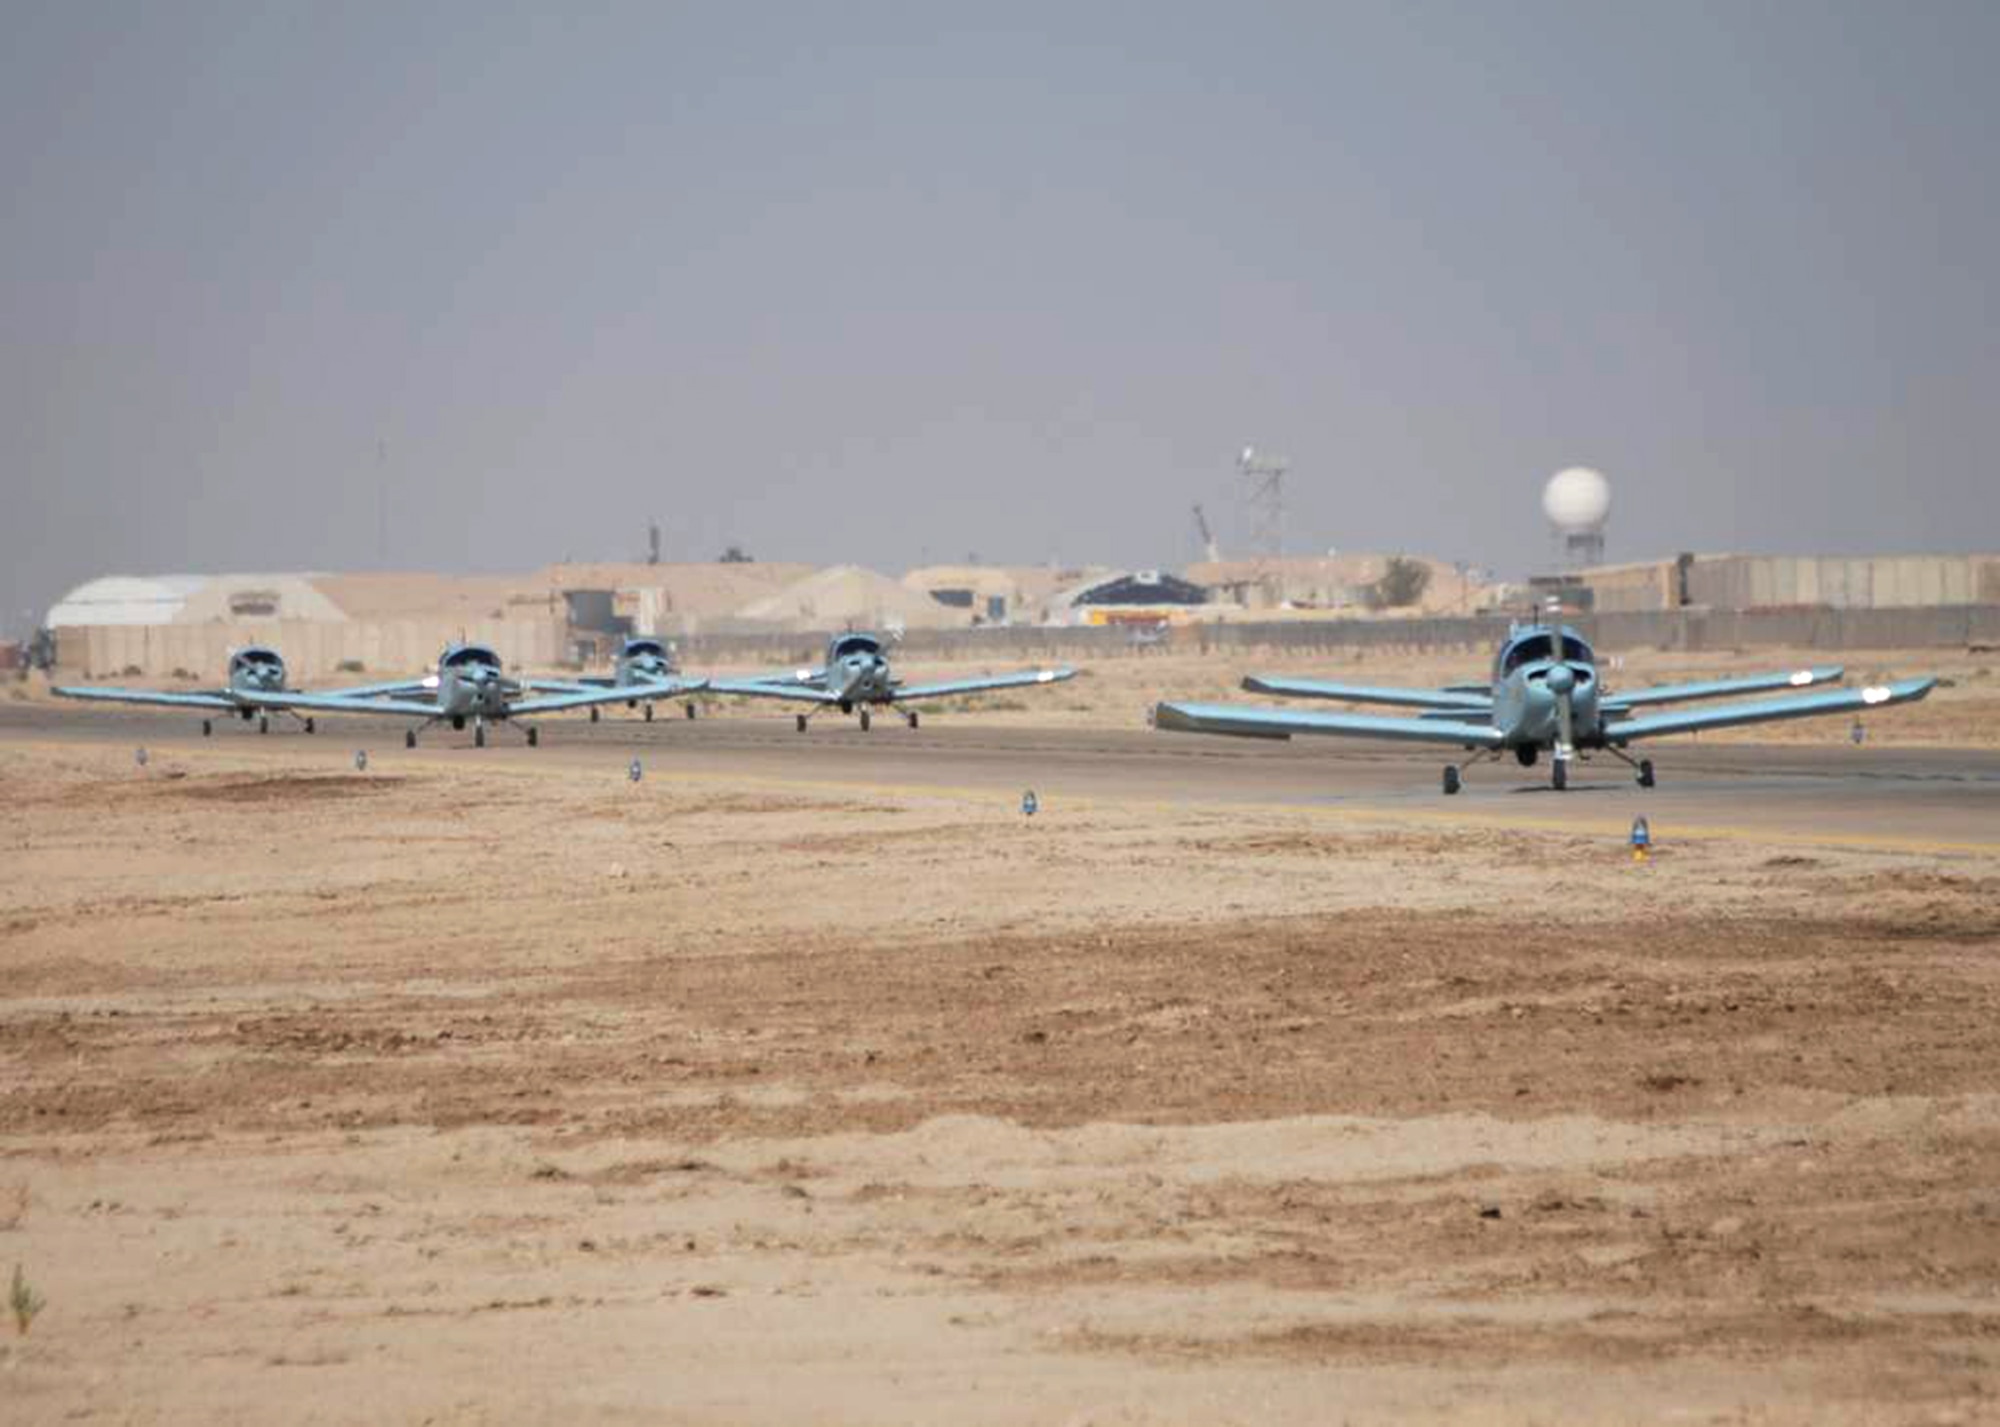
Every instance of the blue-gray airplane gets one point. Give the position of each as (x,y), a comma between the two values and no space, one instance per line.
(256,689)
(646,669)
(856,678)
(468,688)
(1544,697)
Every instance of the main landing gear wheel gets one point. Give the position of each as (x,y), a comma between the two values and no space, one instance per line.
(534,738)
(409,738)
(310,728)
(1559,774)
(593,715)
(690,709)
(649,713)
(912,717)
(263,723)
(479,736)
(802,722)
(1645,772)
(864,720)
(1451,780)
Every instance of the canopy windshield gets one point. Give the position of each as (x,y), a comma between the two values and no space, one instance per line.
(849,644)
(1540,645)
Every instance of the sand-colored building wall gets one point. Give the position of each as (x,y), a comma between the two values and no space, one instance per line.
(1799,582)
(314,651)
(1838,582)
(1644,586)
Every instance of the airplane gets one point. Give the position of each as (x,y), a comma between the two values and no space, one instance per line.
(468,687)
(256,687)
(856,678)
(642,661)
(1544,696)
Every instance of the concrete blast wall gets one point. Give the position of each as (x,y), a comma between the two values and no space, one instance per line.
(313,651)
(1764,582)
(1688,629)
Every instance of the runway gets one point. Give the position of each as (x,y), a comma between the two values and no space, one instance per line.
(1925,799)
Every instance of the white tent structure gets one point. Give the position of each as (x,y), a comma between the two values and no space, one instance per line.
(124,600)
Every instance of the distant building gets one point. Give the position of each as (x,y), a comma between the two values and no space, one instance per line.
(996,594)
(1134,597)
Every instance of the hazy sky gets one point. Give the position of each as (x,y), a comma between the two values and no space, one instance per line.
(902,282)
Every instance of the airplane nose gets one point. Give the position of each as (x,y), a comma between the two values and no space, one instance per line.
(1561,680)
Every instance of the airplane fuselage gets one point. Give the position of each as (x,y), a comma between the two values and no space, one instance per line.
(1546,693)
(255,670)
(857,670)
(470,685)
(1527,704)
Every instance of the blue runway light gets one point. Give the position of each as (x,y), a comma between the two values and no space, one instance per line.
(1028,803)
(635,772)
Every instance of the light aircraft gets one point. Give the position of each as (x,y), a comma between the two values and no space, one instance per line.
(256,688)
(856,678)
(468,687)
(646,670)
(1545,695)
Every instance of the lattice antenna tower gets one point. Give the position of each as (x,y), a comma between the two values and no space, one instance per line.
(1264,492)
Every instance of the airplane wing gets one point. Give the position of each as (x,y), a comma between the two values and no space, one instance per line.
(1833,701)
(108,694)
(1457,698)
(659,689)
(560,700)
(370,691)
(342,703)
(907,692)
(1250,722)
(757,689)
(1720,688)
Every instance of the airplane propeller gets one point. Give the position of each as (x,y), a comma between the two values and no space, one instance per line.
(1561,682)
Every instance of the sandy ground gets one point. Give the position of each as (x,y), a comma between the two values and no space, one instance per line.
(503,1090)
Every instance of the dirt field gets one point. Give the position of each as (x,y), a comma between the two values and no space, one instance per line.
(492,1090)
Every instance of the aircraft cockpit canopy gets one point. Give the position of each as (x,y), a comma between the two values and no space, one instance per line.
(1539,644)
(256,654)
(468,655)
(847,645)
(642,648)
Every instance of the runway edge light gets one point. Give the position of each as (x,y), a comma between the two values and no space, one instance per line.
(1029,803)
(1642,838)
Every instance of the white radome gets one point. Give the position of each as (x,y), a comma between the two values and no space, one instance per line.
(1577,499)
